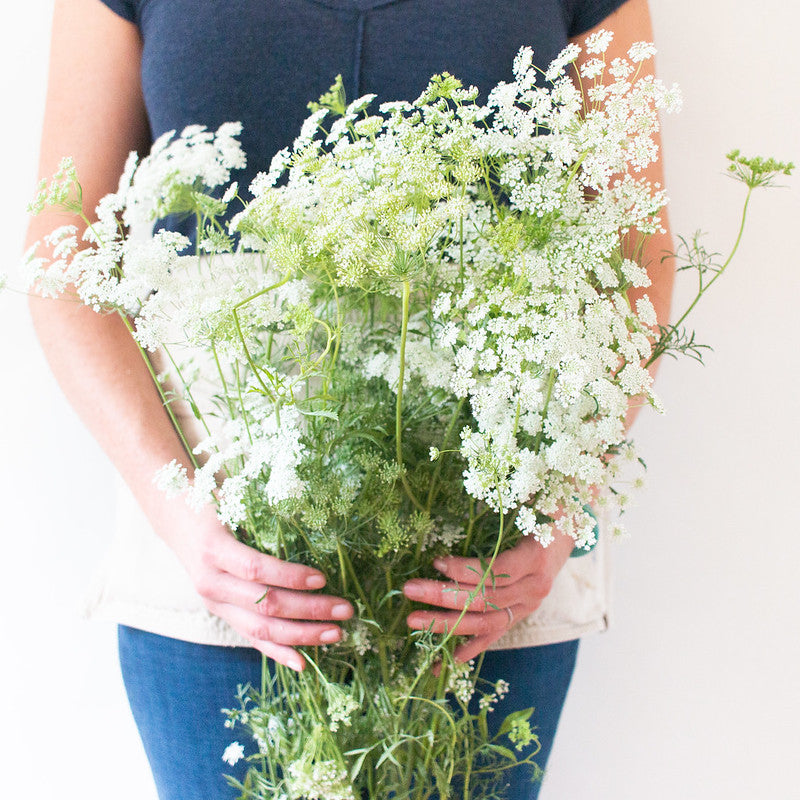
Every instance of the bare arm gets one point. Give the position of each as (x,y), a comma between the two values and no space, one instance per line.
(95,113)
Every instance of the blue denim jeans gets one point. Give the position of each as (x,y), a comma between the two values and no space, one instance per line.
(176,690)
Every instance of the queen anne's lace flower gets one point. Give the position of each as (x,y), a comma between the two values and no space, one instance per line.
(234,752)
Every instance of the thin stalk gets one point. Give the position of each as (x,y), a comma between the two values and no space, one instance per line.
(470,527)
(434,726)
(187,389)
(438,468)
(167,405)
(241,403)
(429,752)
(488,181)
(476,592)
(339,321)
(224,383)
(461,242)
(398,421)
(703,289)
(346,567)
(249,357)
(235,311)
(266,763)
(551,379)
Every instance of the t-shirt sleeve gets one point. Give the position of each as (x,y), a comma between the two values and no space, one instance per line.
(585,14)
(127,9)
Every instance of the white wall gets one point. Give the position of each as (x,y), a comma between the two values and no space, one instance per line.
(67,730)
(694,693)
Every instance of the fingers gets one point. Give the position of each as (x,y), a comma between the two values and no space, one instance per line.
(455,596)
(469,650)
(474,647)
(266,600)
(509,566)
(483,629)
(448,622)
(492,623)
(277,602)
(278,630)
(228,555)
(282,655)
(275,636)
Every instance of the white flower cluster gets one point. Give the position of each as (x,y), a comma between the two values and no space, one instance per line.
(266,451)
(491,236)
(489,700)
(196,159)
(220,303)
(323,780)
(341,706)
(460,681)
(531,323)
(119,270)
(359,637)
(234,753)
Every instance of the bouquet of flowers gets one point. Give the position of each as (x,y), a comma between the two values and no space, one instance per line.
(414,339)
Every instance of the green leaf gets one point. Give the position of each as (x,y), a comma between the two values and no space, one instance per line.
(320,412)
(511,719)
(503,751)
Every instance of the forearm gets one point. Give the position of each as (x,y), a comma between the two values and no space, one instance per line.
(106,380)
(95,113)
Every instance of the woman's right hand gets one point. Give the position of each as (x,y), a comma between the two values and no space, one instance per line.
(266,600)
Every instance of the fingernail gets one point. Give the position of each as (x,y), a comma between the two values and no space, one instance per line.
(341,611)
(315,581)
(329,636)
(413,589)
(415,621)
(440,564)
(297,664)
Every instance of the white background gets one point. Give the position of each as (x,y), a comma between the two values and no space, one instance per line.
(695,691)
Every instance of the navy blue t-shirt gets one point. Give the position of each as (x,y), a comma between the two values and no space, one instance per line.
(260,61)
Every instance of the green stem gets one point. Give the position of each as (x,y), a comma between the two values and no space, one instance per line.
(476,592)
(449,718)
(241,401)
(551,379)
(488,182)
(167,405)
(703,289)
(398,417)
(266,763)
(339,321)
(240,334)
(438,468)
(470,528)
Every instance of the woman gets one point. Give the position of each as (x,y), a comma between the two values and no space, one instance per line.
(182,588)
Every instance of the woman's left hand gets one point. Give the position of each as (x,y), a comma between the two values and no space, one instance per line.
(523,577)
